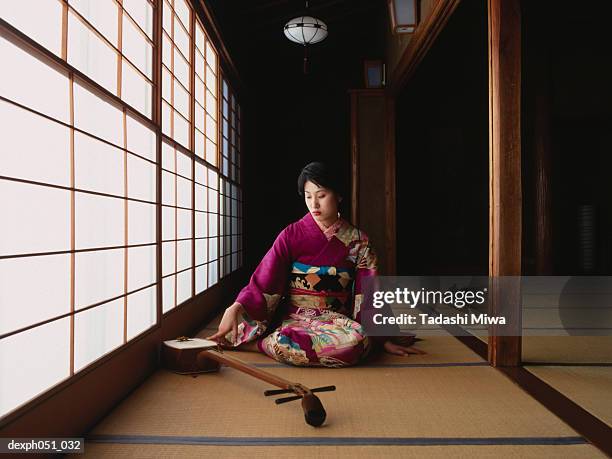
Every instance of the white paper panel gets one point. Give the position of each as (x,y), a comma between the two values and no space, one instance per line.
(44,27)
(213,273)
(48,295)
(211,56)
(27,209)
(142,311)
(183,165)
(213,248)
(99,221)
(212,225)
(181,99)
(101,14)
(199,144)
(211,106)
(199,37)
(213,181)
(90,54)
(168,157)
(211,152)
(168,188)
(142,12)
(199,117)
(181,68)
(141,266)
(201,274)
(183,223)
(96,116)
(181,130)
(167,15)
(98,166)
(136,48)
(200,173)
(98,276)
(183,286)
(199,94)
(22,76)
(166,118)
(201,197)
(181,37)
(211,79)
(141,179)
(211,129)
(184,252)
(168,258)
(44,157)
(167,50)
(182,10)
(97,331)
(32,362)
(201,224)
(168,223)
(166,84)
(183,198)
(168,287)
(201,251)
(141,223)
(213,201)
(141,139)
(199,63)
(136,90)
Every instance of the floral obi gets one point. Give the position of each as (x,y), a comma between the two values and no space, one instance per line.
(319,287)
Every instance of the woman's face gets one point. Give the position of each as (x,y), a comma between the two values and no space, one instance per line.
(321,202)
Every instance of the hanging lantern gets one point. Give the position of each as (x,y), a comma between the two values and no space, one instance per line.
(305,30)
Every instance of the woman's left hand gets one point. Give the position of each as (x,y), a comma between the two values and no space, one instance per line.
(396,349)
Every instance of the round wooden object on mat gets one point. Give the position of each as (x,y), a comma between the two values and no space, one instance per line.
(180,356)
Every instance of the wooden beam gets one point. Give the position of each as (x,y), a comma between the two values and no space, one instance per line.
(505,195)
(423,38)
(354,159)
(390,210)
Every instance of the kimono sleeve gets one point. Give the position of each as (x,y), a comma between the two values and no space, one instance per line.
(366,268)
(267,284)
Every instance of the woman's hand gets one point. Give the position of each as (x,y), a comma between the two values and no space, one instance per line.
(398,349)
(229,323)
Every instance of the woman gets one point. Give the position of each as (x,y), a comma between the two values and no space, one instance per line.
(314,271)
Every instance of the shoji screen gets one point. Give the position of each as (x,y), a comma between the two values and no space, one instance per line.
(77,188)
(231,201)
(176,71)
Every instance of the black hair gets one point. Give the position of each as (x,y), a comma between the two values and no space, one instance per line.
(320,174)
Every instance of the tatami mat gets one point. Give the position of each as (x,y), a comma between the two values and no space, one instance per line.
(369,402)
(417,406)
(94,450)
(590,387)
(567,349)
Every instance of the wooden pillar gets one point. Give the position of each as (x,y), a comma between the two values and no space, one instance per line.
(390,200)
(505,197)
(538,67)
(373,171)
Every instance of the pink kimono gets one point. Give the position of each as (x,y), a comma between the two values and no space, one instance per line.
(316,278)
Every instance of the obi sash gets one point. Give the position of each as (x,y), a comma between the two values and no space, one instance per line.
(319,287)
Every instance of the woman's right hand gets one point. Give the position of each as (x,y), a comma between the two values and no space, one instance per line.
(229,322)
